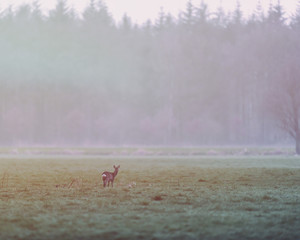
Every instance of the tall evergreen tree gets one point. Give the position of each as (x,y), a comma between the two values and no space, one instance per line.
(60,14)
(237,14)
(188,16)
(160,21)
(126,24)
(202,14)
(295,21)
(276,14)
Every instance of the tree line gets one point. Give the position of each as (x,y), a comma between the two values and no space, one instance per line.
(199,78)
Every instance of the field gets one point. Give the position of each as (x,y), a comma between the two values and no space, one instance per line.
(155,196)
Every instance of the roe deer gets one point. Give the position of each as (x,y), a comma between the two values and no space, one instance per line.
(110,176)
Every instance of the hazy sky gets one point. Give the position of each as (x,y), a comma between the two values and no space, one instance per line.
(141,10)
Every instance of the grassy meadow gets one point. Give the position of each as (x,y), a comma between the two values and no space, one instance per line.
(154,197)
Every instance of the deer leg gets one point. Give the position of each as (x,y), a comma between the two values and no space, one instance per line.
(106,182)
(112,184)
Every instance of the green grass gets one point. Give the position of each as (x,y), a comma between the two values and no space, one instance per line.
(153,198)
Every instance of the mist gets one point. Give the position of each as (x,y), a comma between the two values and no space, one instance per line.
(201,78)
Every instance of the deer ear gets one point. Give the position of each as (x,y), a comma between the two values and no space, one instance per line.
(114,166)
(119,166)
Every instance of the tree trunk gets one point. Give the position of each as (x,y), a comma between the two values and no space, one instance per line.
(298,143)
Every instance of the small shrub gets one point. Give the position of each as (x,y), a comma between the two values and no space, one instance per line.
(157,198)
(144,203)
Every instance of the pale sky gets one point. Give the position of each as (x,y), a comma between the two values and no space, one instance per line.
(141,10)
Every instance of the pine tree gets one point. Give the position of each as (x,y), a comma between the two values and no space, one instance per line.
(188,16)
(60,15)
(259,12)
(276,14)
(295,21)
(160,21)
(202,13)
(36,13)
(126,25)
(90,11)
(237,14)
(97,14)
(220,18)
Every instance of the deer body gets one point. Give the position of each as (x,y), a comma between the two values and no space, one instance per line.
(108,177)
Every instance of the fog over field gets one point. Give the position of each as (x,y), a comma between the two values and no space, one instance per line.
(199,78)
